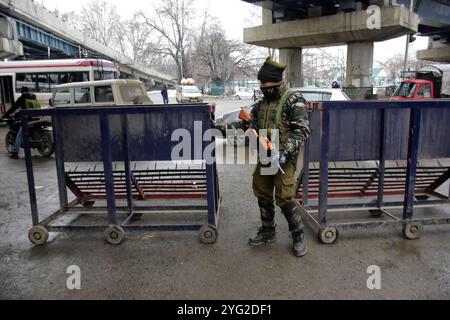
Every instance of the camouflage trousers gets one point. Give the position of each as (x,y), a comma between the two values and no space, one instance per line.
(285,186)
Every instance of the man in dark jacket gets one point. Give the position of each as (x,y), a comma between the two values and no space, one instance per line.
(165,95)
(283,110)
(25,101)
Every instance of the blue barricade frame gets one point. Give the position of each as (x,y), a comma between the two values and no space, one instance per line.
(374,131)
(124,134)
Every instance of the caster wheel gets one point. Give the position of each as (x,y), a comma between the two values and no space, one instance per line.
(376,213)
(38,235)
(208,235)
(412,230)
(328,235)
(88,204)
(114,235)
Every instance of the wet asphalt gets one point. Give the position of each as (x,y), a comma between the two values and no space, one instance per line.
(175,265)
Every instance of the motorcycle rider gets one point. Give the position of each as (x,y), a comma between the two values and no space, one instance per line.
(26,101)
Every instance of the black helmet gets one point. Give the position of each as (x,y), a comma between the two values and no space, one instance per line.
(24,90)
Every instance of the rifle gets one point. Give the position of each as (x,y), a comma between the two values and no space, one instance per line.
(245,115)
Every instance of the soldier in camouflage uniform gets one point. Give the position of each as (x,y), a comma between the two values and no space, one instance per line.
(293,125)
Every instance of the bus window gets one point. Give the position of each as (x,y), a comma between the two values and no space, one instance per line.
(25,80)
(82,95)
(78,77)
(42,83)
(62,97)
(53,79)
(104,94)
(105,75)
(61,78)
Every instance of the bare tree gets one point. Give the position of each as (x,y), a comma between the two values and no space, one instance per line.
(321,67)
(171,21)
(223,57)
(100,21)
(135,39)
(394,65)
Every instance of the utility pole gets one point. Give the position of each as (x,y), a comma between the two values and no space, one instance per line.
(408,38)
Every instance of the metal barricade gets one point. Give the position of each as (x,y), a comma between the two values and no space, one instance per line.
(363,155)
(126,136)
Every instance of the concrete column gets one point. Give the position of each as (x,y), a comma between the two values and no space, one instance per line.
(293,73)
(266,16)
(359,67)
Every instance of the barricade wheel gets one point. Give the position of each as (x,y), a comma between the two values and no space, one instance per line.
(114,235)
(208,235)
(328,235)
(38,235)
(412,230)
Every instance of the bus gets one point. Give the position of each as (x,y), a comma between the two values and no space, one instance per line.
(41,76)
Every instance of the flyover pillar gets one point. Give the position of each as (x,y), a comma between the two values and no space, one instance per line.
(267,16)
(359,69)
(293,74)
(290,56)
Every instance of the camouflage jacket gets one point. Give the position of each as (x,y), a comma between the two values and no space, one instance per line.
(293,124)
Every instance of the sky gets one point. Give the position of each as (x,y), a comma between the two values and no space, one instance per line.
(234,15)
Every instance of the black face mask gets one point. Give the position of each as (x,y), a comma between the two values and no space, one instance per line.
(272,93)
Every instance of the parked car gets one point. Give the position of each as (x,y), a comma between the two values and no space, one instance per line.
(323,94)
(230,121)
(189,94)
(100,93)
(243,93)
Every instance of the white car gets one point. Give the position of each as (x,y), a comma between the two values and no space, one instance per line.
(189,94)
(231,121)
(319,94)
(243,93)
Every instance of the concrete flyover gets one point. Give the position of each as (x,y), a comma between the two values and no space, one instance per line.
(36,27)
(292,25)
(332,30)
(435,24)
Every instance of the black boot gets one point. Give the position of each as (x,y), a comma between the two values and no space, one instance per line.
(292,213)
(14,155)
(266,234)
(299,246)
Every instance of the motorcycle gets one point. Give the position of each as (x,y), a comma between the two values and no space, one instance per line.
(40,135)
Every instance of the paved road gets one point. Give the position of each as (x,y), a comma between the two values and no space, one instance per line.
(223,105)
(177,266)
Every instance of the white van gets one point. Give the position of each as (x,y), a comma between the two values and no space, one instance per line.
(100,93)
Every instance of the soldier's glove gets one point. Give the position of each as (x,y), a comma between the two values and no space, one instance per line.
(279,160)
(283,158)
